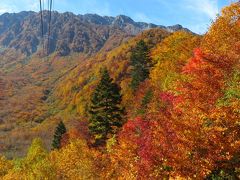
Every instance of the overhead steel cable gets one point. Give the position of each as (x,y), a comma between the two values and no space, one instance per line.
(41,14)
(49,26)
(46,47)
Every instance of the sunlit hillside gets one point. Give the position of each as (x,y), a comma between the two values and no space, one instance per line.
(118,99)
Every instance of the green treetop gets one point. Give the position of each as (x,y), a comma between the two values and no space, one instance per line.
(105,110)
(140,63)
(60,130)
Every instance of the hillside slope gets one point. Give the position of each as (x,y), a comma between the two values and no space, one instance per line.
(59,88)
(181,94)
(31,84)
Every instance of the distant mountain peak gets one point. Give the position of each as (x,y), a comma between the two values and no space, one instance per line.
(124,19)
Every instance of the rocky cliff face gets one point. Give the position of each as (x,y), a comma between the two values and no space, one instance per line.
(69,32)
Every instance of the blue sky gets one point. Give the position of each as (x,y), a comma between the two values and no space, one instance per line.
(193,14)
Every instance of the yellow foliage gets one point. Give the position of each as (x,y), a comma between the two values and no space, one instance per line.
(170,56)
(75,90)
(35,166)
(224,35)
(74,161)
(5,166)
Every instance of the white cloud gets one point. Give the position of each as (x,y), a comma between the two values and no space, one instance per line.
(21,5)
(3,10)
(6,8)
(18,5)
(207,7)
(98,7)
(34,6)
(141,17)
(199,28)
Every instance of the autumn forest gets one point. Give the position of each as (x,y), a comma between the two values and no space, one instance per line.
(120,102)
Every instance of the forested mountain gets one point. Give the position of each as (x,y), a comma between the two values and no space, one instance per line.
(117,99)
(69,32)
(29,78)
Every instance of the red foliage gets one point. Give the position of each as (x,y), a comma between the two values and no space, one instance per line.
(195,62)
(138,131)
(170,99)
(206,85)
(167,97)
(156,144)
(176,140)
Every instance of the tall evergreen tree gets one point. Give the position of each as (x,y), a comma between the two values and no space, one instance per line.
(140,63)
(105,110)
(60,130)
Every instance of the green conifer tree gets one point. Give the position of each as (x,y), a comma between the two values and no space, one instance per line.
(140,63)
(60,130)
(105,109)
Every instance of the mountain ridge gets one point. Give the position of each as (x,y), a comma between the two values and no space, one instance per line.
(110,20)
(87,33)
